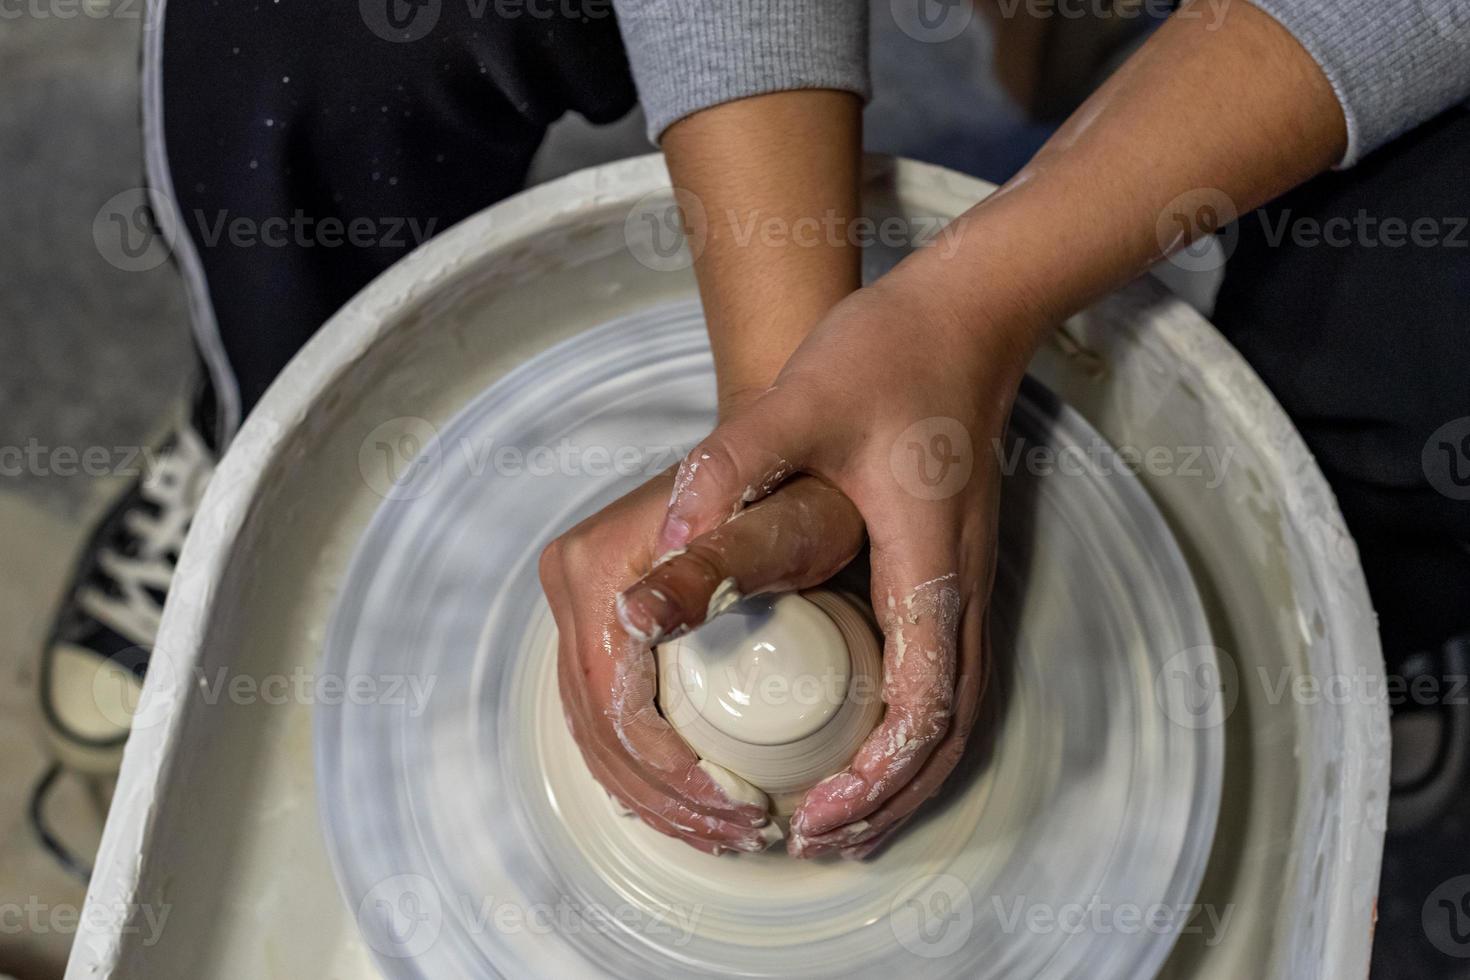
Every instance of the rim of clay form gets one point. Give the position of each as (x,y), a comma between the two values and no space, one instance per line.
(1299,860)
(816,732)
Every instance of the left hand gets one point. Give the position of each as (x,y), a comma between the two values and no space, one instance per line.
(895,403)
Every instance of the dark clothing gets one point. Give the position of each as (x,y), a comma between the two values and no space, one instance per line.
(303,113)
(1367,346)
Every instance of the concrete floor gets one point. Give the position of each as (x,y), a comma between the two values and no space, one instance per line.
(94,356)
(99,357)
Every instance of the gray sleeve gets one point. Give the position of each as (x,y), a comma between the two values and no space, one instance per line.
(689,55)
(1392,63)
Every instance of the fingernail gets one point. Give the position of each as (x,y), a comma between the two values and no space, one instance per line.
(642,613)
(674,534)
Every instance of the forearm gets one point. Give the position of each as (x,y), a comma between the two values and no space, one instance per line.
(1199,116)
(772,190)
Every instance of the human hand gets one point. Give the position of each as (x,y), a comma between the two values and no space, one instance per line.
(606,671)
(884,381)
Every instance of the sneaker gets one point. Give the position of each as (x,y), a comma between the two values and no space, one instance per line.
(92,666)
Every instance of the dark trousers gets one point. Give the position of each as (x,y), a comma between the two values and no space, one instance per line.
(312,145)
(1363,334)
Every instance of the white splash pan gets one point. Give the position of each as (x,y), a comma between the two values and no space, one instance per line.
(215,818)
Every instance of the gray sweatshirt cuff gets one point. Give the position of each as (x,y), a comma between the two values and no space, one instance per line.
(1392,63)
(694,54)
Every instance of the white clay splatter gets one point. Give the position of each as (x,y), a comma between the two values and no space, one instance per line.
(669,556)
(740,791)
(682,480)
(765,487)
(737,790)
(927,620)
(635,633)
(726,594)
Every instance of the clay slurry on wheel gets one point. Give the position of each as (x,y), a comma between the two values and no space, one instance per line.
(1079,791)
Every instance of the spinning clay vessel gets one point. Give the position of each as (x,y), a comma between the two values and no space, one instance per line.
(780,691)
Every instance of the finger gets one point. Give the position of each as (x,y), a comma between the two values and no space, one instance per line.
(624,729)
(653,803)
(858,852)
(639,799)
(602,702)
(742,461)
(837,843)
(920,619)
(862,837)
(668,817)
(796,538)
(652,744)
(671,818)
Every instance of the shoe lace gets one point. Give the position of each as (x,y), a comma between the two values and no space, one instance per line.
(134,568)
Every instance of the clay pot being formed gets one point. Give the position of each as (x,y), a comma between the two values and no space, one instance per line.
(779,690)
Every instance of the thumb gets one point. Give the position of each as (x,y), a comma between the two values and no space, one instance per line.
(919,590)
(740,462)
(798,537)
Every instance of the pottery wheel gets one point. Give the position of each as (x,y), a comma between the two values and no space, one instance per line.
(470,840)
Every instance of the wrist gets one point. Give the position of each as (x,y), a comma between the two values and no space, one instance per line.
(972,306)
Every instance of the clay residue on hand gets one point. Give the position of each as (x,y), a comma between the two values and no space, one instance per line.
(634,682)
(767,485)
(931,609)
(644,637)
(740,791)
(918,683)
(726,594)
(736,789)
(688,470)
